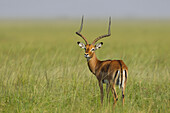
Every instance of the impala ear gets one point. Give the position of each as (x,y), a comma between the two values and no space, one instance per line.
(81,45)
(97,46)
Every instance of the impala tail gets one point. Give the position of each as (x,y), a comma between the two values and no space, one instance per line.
(121,78)
(122,75)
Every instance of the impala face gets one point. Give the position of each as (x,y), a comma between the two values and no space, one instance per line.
(89,49)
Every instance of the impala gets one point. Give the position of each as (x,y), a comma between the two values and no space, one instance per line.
(111,72)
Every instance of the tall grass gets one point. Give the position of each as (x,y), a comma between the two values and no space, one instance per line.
(42,69)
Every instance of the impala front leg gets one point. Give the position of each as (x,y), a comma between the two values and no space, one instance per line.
(101,91)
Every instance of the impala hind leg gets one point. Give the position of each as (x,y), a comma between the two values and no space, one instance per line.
(114,95)
(123,94)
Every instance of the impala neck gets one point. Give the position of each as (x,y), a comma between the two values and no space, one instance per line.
(92,62)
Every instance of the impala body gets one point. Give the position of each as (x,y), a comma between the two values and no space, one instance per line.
(111,72)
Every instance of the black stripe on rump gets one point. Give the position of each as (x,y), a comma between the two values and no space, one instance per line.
(125,74)
(116,76)
(117,81)
(121,72)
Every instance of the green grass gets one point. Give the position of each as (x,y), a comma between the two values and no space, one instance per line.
(42,69)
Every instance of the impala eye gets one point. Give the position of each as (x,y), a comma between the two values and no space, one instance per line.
(92,49)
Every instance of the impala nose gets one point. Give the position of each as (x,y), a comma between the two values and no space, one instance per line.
(86,55)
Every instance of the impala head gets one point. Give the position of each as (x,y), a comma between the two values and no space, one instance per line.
(90,48)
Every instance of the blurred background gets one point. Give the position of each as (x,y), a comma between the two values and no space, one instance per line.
(42,69)
(126,9)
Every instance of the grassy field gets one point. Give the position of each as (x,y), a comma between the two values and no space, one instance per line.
(42,69)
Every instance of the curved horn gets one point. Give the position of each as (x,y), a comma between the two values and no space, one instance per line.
(78,32)
(100,37)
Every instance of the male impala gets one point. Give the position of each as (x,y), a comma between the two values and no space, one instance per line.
(110,72)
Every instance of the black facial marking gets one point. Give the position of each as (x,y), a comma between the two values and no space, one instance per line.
(87,49)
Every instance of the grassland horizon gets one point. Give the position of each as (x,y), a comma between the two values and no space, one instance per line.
(42,69)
